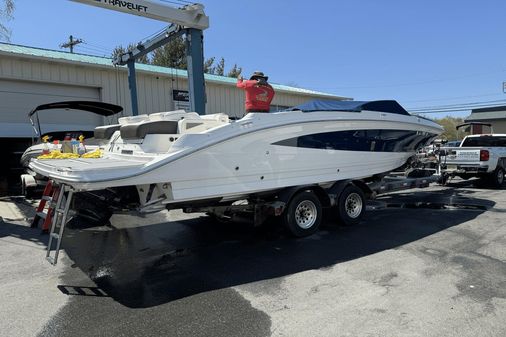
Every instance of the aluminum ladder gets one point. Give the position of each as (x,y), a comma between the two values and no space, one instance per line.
(59,221)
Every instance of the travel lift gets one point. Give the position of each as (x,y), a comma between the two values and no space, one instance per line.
(189,20)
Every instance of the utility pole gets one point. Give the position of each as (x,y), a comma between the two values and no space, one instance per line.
(71,43)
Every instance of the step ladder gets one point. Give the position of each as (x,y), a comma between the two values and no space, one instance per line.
(59,220)
(50,194)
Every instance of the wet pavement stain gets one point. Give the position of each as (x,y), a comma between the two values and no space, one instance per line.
(218,313)
(176,278)
(478,283)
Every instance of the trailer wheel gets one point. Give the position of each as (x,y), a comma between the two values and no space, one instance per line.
(351,205)
(497,177)
(303,215)
(28,186)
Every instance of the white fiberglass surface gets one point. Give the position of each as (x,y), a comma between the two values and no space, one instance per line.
(240,157)
(87,169)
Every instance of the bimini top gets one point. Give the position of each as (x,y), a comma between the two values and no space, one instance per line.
(389,106)
(99,108)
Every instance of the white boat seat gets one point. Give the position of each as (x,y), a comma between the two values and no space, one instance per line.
(106,131)
(140,130)
(203,123)
(132,119)
(173,115)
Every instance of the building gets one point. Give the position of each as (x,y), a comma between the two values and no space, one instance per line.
(33,76)
(496,116)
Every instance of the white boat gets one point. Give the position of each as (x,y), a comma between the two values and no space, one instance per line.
(177,157)
(93,138)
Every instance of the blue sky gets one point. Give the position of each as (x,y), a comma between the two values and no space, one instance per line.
(421,53)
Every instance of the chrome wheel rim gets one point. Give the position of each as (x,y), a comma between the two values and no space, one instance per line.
(353,205)
(305,214)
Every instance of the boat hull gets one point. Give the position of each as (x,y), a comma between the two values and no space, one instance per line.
(246,158)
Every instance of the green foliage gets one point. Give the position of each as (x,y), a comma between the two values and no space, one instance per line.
(171,55)
(6,11)
(220,67)
(449,124)
(208,66)
(235,71)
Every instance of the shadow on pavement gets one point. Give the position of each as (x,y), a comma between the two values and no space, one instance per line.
(147,266)
(23,232)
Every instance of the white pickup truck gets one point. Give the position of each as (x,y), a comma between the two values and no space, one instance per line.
(482,156)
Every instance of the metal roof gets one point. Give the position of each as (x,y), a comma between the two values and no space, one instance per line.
(490,109)
(486,115)
(7,48)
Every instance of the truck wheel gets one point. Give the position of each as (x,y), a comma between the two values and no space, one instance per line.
(303,215)
(497,177)
(351,205)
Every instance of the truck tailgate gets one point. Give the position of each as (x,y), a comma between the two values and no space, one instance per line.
(463,155)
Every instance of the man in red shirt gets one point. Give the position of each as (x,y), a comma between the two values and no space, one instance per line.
(259,93)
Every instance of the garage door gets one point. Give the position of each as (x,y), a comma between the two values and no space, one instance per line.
(18,98)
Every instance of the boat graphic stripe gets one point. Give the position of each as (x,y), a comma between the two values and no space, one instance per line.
(379,140)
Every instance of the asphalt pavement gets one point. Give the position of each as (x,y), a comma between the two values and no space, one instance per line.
(430,262)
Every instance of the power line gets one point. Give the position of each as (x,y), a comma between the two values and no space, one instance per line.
(89,51)
(456,109)
(414,83)
(451,98)
(95,49)
(449,110)
(92,48)
(97,46)
(461,105)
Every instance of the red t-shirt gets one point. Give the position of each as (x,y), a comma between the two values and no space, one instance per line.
(258,96)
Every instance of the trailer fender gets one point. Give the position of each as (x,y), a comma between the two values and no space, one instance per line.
(28,183)
(335,191)
(288,193)
(28,180)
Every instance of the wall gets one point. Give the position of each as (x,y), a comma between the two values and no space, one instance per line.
(499,126)
(154,90)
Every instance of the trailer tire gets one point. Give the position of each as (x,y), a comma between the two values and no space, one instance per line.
(303,215)
(351,205)
(497,177)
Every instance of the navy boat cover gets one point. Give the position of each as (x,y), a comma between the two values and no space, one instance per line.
(389,106)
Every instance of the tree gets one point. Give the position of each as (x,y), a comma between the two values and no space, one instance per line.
(6,14)
(120,50)
(450,131)
(235,71)
(172,55)
(220,67)
(208,66)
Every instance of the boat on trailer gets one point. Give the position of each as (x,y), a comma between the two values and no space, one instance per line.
(289,164)
(178,157)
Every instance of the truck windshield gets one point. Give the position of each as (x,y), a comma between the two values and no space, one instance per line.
(486,141)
